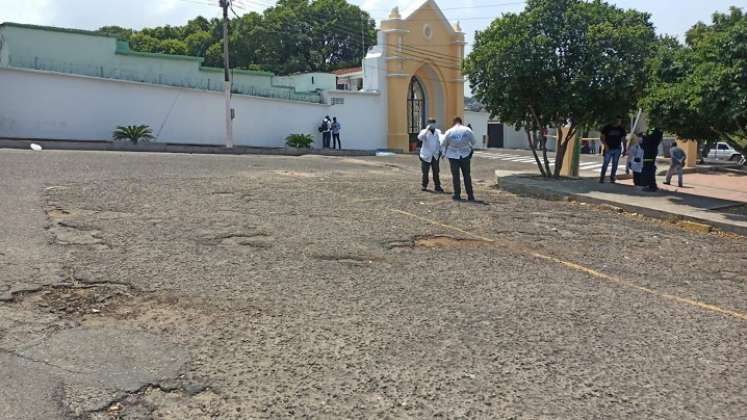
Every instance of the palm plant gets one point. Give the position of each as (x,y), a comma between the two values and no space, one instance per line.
(133,133)
(301,141)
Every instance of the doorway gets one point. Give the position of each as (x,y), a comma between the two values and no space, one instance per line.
(416,109)
(495,135)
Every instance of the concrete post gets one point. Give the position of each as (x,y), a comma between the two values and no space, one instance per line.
(691,149)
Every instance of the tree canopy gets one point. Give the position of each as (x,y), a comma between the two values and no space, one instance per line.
(699,90)
(561,63)
(293,36)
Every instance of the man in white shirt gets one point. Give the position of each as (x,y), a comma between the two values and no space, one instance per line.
(326,129)
(457,146)
(430,153)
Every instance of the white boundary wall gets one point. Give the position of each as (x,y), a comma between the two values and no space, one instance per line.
(479,122)
(44,105)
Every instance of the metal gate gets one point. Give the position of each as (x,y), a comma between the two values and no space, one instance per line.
(415,111)
(495,135)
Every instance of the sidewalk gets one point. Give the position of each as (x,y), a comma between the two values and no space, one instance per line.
(154,147)
(723,185)
(725,214)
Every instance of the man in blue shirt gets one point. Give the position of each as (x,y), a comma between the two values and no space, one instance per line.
(678,162)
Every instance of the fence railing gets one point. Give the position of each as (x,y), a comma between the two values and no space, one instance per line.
(144,76)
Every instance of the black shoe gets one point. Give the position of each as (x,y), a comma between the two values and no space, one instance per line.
(440,190)
(471,198)
(613,181)
(456,198)
(681,186)
(601,180)
(667,183)
(424,189)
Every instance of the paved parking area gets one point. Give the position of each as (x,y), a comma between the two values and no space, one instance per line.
(273,287)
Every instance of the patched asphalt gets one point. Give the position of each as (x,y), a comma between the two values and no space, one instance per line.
(187,286)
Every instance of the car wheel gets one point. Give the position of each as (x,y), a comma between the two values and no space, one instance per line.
(735,157)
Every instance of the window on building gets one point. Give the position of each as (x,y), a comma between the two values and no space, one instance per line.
(338,101)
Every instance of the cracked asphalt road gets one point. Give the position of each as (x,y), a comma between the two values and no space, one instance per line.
(176,286)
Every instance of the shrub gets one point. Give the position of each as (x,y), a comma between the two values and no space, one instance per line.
(133,133)
(301,141)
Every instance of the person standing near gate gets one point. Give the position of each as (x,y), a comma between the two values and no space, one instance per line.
(336,127)
(458,145)
(613,139)
(326,129)
(430,154)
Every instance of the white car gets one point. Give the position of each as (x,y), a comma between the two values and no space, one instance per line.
(724,151)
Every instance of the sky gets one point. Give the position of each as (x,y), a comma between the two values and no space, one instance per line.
(672,17)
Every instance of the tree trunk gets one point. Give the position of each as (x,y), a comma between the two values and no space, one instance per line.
(543,140)
(559,153)
(534,152)
(562,148)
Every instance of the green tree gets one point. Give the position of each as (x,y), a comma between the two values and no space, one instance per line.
(340,31)
(144,43)
(198,24)
(699,90)
(561,63)
(173,46)
(292,36)
(672,104)
(164,32)
(117,31)
(198,43)
(214,55)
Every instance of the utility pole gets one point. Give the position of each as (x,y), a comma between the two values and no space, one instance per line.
(363,36)
(227,76)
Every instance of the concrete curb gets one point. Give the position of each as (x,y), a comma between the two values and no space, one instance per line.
(514,185)
(109,146)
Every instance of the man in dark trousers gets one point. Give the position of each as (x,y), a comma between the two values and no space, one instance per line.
(613,139)
(335,128)
(430,154)
(326,129)
(650,144)
(458,145)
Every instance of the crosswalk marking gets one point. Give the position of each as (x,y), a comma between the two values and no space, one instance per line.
(586,167)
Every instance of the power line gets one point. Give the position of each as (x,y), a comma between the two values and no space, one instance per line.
(475,6)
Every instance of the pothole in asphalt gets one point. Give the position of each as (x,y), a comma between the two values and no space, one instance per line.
(439,242)
(77,293)
(74,302)
(57,214)
(67,234)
